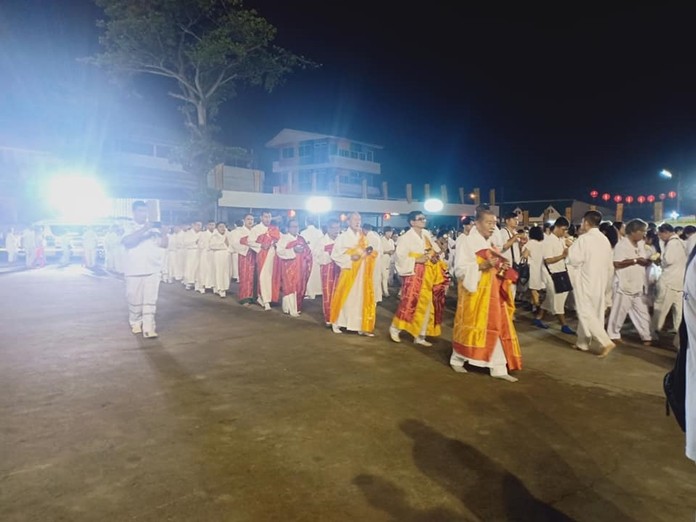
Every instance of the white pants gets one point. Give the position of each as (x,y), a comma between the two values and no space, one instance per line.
(30,254)
(11,256)
(590,321)
(141,293)
(554,303)
(634,306)
(497,364)
(666,300)
(289,303)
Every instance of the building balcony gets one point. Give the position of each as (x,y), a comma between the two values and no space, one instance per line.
(334,162)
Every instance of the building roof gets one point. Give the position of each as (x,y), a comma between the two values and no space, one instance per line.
(537,207)
(293,136)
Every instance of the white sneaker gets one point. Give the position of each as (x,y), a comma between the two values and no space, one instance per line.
(150,335)
(366,334)
(223,294)
(458,369)
(394,334)
(136,329)
(336,329)
(422,342)
(266,307)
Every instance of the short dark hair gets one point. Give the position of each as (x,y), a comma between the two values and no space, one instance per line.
(466,221)
(413,215)
(665,227)
(239,223)
(689,229)
(366,226)
(483,211)
(138,204)
(593,217)
(561,222)
(249,214)
(635,225)
(511,215)
(536,233)
(266,211)
(619,224)
(333,222)
(387,229)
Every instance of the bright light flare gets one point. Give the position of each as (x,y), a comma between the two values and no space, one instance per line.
(433,205)
(675,215)
(666,174)
(77,197)
(318,204)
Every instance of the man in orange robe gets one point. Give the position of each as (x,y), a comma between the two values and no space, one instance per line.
(484,334)
(424,284)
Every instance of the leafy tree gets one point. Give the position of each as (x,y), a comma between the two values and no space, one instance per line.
(207,48)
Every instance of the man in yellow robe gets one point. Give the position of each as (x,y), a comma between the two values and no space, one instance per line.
(424,285)
(353,304)
(484,334)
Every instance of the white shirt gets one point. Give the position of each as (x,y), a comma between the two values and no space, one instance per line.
(632,278)
(553,247)
(411,243)
(312,235)
(512,254)
(146,257)
(466,268)
(673,262)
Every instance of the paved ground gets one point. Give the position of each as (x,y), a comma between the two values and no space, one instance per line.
(236,414)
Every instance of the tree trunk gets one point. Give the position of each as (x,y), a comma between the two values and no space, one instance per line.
(202,112)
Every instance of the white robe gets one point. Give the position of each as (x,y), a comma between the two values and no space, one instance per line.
(190,246)
(235,236)
(29,246)
(536,265)
(374,241)
(386,262)
(12,246)
(171,262)
(312,235)
(690,320)
(590,265)
(180,247)
(289,301)
(89,242)
(670,285)
(204,275)
(111,243)
(350,316)
(266,276)
(220,254)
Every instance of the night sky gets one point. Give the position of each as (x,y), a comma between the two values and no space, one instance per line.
(540,104)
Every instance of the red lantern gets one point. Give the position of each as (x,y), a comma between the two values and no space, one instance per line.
(663,197)
(640,199)
(606,196)
(618,199)
(343,217)
(291,213)
(594,194)
(671,194)
(629,199)
(651,199)
(387,216)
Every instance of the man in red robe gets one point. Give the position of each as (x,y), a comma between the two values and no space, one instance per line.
(295,260)
(329,270)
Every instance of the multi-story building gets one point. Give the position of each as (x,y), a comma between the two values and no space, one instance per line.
(318,163)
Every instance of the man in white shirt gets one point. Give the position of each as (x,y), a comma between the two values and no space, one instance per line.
(204,274)
(555,252)
(145,244)
(670,285)
(29,246)
(190,246)
(89,243)
(312,235)
(263,238)
(509,243)
(388,249)
(630,262)
(590,266)
(12,241)
(690,323)
(353,304)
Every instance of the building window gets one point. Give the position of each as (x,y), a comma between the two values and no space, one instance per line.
(370,156)
(333,149)
(287,152)
(344,153)
(306,149)
(353,154)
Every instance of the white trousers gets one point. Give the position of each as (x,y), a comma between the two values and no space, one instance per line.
(289,303)
(142,292)
(191,266)
(11,256)
(553,303)
(590,321)
(497,364)
(634,306)
(666,300)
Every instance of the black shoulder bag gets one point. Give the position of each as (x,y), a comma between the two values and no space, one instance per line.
(561,280)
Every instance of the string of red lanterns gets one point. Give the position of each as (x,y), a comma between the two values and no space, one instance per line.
(618,198)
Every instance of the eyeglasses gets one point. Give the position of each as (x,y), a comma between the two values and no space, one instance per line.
(421,219)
